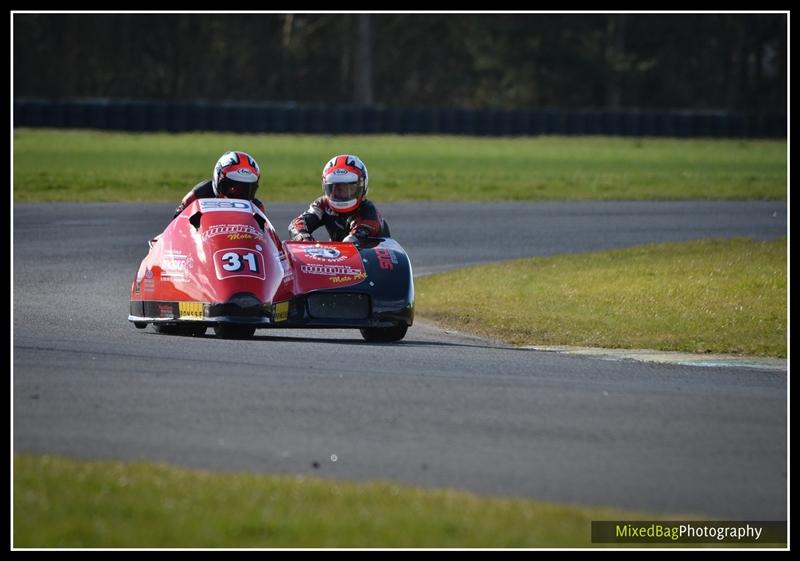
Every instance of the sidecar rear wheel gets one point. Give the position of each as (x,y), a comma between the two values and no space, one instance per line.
(384,334)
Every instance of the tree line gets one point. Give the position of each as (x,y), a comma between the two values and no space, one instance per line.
(735,62)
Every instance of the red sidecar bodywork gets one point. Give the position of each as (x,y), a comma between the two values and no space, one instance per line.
(221,264)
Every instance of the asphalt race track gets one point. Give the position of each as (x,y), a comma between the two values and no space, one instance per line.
(437,410)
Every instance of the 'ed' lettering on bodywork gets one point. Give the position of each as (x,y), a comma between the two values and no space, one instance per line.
(386,259)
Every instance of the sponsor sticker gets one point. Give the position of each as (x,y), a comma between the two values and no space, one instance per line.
(330,270)
(235,205)
(165,311)
(386,258)
(323,253)
(175,261)
(149,283)
(233,231)
(340,279)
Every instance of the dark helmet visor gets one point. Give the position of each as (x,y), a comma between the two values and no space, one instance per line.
(236,190)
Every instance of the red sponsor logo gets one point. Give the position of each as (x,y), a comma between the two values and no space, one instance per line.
(386,259)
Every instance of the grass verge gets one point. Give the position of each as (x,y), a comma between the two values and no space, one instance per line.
(60,502)
(81,165)
(721,296)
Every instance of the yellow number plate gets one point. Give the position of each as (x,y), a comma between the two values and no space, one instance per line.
(190,310)
(281,311)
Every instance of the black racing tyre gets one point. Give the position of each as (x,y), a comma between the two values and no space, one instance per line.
(234,331)
(185,329)
(166,328)
(192,330)
(384,334)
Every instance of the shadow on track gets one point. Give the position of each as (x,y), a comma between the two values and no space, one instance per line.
(347,341)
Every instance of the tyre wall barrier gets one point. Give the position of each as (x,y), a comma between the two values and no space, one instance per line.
(169,116)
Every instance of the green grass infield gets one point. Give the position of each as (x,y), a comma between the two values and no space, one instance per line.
(720,296)
(82,165)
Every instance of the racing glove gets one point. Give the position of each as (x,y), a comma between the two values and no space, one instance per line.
(303,237)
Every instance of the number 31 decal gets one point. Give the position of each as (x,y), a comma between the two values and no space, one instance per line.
(234,261)
(238,262)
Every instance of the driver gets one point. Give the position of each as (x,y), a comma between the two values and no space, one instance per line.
(343,207)
(236,176)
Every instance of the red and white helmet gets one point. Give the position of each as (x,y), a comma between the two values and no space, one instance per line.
(345,182)
(236,176)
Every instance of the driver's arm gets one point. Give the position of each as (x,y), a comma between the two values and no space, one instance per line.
(302,226)
(366,224)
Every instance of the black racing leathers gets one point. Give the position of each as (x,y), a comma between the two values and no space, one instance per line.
(362,223)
